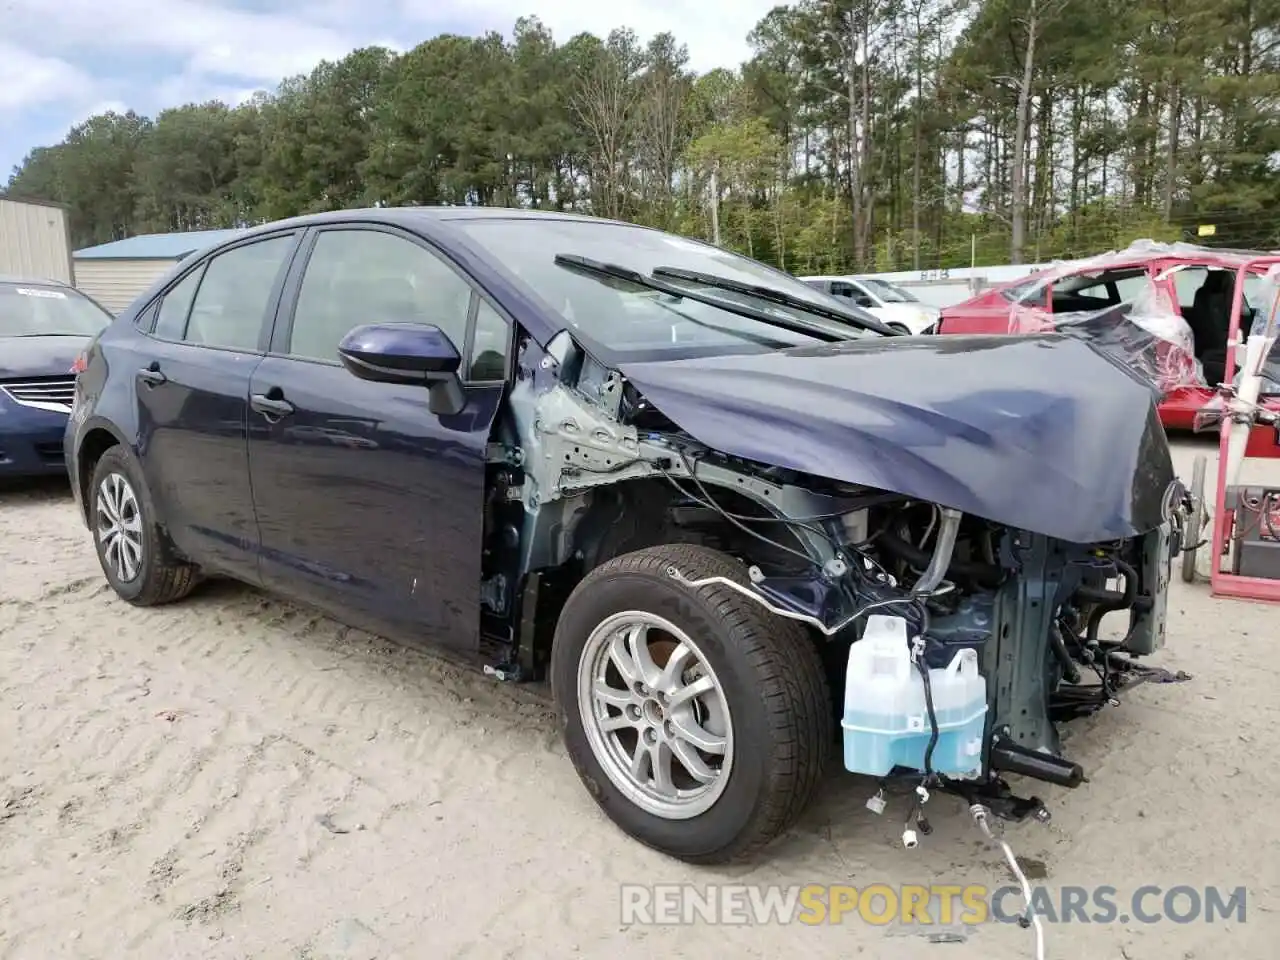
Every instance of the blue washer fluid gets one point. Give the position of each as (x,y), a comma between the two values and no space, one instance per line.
(886,719)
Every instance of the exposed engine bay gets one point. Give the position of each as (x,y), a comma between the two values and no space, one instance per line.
(587,468)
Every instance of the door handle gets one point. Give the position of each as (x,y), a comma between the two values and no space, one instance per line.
(271,406)
(151,375)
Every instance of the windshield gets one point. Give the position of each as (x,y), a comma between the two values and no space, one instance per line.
(886,291)
(633,321)
(35,310)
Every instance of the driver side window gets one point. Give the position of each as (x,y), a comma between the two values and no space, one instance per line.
(354,277)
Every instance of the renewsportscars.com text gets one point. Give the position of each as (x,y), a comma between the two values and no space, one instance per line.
(941,904)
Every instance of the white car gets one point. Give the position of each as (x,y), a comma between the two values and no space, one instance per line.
(889,303)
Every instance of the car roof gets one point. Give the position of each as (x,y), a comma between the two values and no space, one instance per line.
(434,223)
(422,216)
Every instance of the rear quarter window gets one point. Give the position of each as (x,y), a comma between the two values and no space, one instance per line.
(171,318)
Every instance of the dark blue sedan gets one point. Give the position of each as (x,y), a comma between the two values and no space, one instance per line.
(671,480)
(44,325)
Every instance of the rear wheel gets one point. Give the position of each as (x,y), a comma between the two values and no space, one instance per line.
(698,721)
(134,555)
(1191,532)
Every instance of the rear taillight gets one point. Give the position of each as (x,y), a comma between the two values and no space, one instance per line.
(82,361)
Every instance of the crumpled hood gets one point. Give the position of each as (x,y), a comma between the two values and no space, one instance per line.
(22,357)
(1041,433)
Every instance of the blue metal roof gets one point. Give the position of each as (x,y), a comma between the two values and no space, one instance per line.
(155,246)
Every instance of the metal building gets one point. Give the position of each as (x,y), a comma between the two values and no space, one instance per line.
(115,273)
(35,240)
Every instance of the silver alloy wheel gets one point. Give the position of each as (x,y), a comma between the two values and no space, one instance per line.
(119,527)
(655,715)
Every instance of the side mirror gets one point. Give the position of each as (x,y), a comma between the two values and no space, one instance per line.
(864,301)
(412,354)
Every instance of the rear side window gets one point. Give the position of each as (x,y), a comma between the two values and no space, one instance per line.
(233,295)
(171,322)
(1109,288)
(1132,286)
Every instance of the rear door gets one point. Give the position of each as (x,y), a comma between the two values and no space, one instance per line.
(204,338)
(369,504)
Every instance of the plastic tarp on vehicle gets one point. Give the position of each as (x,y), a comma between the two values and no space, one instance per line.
(1145,331)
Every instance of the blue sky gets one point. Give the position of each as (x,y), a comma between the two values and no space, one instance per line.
(64,60)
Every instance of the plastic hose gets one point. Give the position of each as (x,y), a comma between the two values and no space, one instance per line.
(981,816)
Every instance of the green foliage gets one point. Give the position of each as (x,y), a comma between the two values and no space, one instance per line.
(860,135)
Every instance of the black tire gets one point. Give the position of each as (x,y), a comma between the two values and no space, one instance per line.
(161,577)
(1195,523)
(772,679)
(900,327)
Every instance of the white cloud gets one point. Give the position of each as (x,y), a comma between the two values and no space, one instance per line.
(29,80)
(208,37)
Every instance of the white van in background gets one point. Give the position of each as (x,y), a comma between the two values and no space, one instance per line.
(889,303)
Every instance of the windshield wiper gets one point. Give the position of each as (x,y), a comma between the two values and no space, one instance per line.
(612,271)
(774,296)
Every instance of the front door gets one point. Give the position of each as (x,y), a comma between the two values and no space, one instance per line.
(206,336)
(368,503)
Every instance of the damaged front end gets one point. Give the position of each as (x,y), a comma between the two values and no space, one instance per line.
(1029,607)
(994,525)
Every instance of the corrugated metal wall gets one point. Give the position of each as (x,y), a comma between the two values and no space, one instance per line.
(34,242)
(115,283)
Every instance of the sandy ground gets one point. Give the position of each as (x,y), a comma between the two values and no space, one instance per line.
(236,777)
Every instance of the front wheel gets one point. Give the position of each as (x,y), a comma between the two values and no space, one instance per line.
(698,721)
